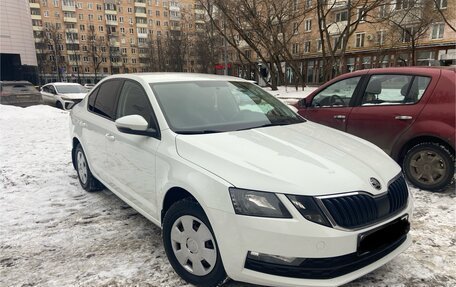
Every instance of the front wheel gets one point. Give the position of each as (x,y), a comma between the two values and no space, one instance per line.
(429,166)
(191,246)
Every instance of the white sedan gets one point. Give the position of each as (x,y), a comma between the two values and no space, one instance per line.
(242,186)
(63,95)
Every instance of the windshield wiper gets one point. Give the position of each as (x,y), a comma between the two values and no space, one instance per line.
(278,123)
(198,132)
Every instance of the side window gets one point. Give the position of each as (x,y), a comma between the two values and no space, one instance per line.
(46,89)
(92,98)
(52,90)
(337,95)
(133,100)
(394,90)
(105,101)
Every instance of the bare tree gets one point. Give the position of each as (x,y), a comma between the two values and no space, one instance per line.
(441,6)
(94,51)
(55,46)
(412,20)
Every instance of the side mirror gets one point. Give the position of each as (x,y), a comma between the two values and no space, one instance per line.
(134,124)
(304,103)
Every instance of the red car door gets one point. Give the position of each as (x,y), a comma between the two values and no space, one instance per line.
(331,105)
(388,106)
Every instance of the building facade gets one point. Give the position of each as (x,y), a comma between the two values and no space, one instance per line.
(17,47)
(86,40)
(389,33)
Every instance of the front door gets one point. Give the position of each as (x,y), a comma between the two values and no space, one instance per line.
(332,106)
(388,106)
(131,158)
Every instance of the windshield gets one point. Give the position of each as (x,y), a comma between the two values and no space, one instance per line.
(219,106)
(70,89)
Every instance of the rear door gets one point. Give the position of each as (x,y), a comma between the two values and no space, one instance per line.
(96,126)
(388,106)
(332,105)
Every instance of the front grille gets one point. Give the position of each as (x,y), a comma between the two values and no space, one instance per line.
(358,210)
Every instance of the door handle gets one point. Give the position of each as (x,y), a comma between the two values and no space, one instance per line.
(402,118)
(110,137)
(340,117)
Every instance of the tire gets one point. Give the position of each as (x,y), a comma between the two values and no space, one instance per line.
(429,166)
(184,226)
(58,105)
(85,176)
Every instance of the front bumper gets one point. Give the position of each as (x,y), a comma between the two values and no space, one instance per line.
(237,235)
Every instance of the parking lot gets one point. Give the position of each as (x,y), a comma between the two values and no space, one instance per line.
(53,233)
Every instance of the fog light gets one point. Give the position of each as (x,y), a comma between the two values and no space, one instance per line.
(275,259)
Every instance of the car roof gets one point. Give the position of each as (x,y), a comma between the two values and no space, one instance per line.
(63,84)
(176,77)
(15,83)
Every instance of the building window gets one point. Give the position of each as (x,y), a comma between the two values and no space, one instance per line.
(46,13)
(407,34)
(157,13)
(90,6)
(319,45)
(360,40)
(121,19)
(308,3)
(81,16)
(383,11)
(308,25)
(307,47)
(56,3)
(295,48)
(295,28)
(442,4)
(100,28)
(437,31)
(404,4)
(380,37)
(130,10)
(341,16)
(100,17)
(361,15)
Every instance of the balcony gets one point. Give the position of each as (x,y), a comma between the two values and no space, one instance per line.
(111,22)
(174,8)
(141,25)
(116,64)
(36,17)
(70,8)
(175,28)
(72,30)
(111,12)
(38,28)
(39,40)
(72,41)
(140,14)
(34,5)
(140,4)
(142,35)
(70,19)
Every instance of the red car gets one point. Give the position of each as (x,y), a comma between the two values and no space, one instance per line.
(408,112)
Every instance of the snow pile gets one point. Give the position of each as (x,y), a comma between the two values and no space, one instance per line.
(53,233)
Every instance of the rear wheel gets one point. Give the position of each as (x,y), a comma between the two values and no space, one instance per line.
(191,246)
(86,179)
(429,166)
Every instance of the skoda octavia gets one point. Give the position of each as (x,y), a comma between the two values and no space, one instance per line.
(242,186)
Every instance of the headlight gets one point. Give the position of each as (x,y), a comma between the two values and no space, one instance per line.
(307,206)
(257,203)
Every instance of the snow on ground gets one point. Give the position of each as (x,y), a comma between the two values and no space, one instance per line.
(289,94)
(53,233)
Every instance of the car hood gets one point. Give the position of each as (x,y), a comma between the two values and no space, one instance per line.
(307,159)
(74,96)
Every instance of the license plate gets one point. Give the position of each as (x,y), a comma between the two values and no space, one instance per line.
(383,236)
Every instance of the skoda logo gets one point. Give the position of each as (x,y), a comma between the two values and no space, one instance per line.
(375,183)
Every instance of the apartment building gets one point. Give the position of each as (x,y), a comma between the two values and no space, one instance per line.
(397,33)
(86,40)
(17,53)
